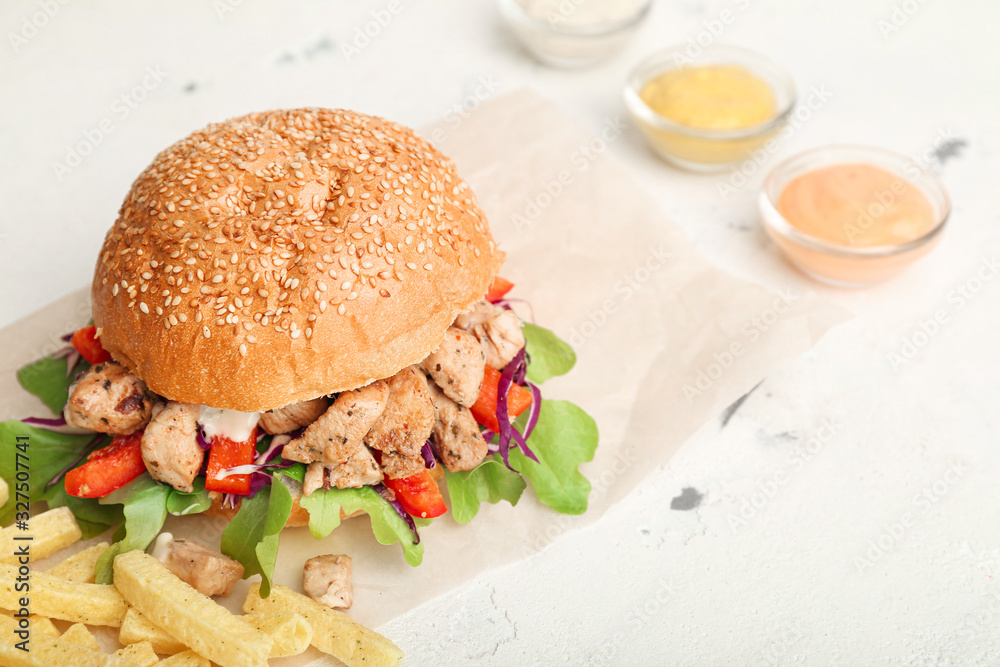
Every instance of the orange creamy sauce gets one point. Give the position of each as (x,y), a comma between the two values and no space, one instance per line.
(858,205)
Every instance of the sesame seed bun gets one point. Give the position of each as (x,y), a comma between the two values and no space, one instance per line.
(286,255)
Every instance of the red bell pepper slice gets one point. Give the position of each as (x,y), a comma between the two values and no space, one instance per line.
(225,454)
(108,469)
(87,344)
(498,289)
(485,407)
(418,494)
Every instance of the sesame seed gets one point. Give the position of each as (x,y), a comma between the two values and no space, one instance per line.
(206,332)
(243,349)
(143,307)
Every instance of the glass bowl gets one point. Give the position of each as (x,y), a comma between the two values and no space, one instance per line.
(560,44)
(844,265)
(699,149)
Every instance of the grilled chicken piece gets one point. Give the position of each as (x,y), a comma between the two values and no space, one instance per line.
(457,366)
(337,434)
(357,470)
(456,438)
(501,338)
(480,313)
(208,571)
(170,447)
(327,580)
(294,416)
(405,424)
(108,399)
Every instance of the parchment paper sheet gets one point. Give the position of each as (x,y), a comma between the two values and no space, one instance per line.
(665,342)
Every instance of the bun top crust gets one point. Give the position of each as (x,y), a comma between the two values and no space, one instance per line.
(286,255)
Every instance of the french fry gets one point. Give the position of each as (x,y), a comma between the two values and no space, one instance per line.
(136,629)
(80,635)
(43,626)
(185,659)
(93,604)
(50,531)
(194,619)
(334,632)
(37,624)
(4,492)
(42,651)
(140,654)
(80,567)
(291,632)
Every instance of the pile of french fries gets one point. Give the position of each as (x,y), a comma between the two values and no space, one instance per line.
(157,614)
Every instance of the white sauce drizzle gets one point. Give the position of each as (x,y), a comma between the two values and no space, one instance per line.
(232,424)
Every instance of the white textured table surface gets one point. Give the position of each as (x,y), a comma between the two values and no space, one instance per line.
(846,513)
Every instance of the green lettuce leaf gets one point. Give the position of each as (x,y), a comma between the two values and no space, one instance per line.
(45,455)
(144,505)
(564,437)
(550,355)
(251,537)
(324,515)
(180,503)
(47,379)
(491,481)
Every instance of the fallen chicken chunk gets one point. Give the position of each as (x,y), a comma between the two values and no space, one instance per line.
(327,580)
(207,570)
(501,338)
(456,438)
(457,366)
(405,425)
(170,447)
(108,399)
(337,433)
(294,416)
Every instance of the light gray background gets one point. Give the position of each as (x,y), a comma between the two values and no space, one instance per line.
(847,513)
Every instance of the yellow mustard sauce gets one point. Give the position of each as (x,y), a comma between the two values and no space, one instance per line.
(714,97)
(708,99)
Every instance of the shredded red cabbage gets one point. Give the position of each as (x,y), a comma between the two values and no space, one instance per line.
(389,498)
(56,425)
(507,430)
(273,448)
(534,410)
(428,453)
(43,422)
(91,446)
(203,442)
